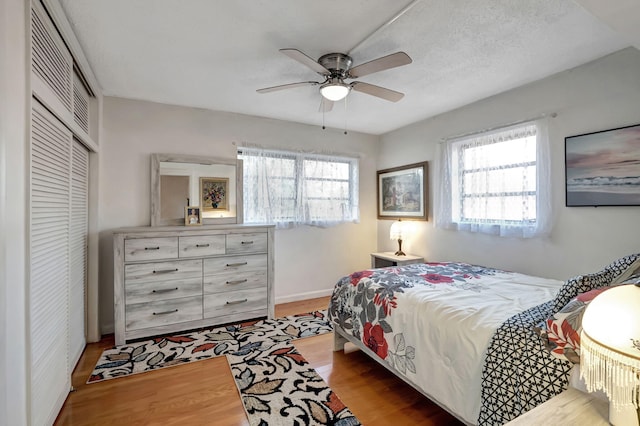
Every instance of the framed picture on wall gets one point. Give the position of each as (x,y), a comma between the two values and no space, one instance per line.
(603,168)
(214,192)
(192,216)
(402,192)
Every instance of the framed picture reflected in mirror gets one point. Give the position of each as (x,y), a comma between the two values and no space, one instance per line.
(214,192)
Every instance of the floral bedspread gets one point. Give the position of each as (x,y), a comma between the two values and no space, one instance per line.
(433,322)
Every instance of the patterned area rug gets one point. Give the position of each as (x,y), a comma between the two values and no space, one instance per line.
(278,387)
(276,384)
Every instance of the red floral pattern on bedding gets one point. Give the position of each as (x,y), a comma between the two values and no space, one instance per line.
(561,332)
(373,337)
(357,276)
(437,278)
(362,302)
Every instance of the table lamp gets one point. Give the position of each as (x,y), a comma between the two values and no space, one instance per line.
(398,231)
(610,351)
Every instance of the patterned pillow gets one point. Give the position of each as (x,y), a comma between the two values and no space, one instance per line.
(560,332)
(631,275)
(583,283)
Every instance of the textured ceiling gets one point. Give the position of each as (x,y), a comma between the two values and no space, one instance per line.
(214,54)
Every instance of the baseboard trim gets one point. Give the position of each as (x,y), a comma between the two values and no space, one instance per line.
(303,296)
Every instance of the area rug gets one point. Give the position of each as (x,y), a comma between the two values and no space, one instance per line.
(240,339)
(276,384)
(278,388)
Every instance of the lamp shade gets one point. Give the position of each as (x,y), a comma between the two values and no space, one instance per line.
(610,346)
(335,91)
(398,230)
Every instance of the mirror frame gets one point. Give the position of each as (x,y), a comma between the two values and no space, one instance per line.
(156,159)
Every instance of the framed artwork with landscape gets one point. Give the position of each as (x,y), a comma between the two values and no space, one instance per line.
(402,192)
(603,168)
(214,193)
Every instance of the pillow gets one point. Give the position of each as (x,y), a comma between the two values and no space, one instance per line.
(630,274)
(613,273)
(560,332)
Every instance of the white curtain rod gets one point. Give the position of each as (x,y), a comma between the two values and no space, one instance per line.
(502,126)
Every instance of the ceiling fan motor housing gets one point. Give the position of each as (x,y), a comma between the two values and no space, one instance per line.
(338,63)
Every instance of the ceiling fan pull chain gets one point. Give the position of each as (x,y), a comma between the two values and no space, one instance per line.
(323,109)
(345,115)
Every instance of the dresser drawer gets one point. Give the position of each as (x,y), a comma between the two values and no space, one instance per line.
(235,281)
(150,248)
(153,291)
(163,312)
(162,271)
(201,245)
(234,302)
(246,243)
(237,264)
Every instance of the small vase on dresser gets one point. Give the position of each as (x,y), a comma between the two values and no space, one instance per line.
(176,278)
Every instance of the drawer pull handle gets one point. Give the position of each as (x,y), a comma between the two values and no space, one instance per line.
(165,271)
(237,264)
(165,312)
(237,282)
(152,248)
(246,242)
(164,290)
(202,245)
(235,302)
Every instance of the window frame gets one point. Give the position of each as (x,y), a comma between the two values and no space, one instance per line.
(300,179)
(451,193)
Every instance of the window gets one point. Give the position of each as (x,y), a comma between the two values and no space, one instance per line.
(291,188)
(496,182)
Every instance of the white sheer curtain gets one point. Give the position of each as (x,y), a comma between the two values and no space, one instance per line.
(289,188)
(496,183)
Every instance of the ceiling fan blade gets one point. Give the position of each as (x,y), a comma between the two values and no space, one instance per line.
(305,60)
(380,92)
(286,86)
(390,61)
(325,105)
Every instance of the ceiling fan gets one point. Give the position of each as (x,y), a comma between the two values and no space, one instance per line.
(336,68)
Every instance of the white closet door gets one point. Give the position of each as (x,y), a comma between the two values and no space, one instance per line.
(78,250)
(49,274)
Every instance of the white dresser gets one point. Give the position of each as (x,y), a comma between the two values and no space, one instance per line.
(168,279)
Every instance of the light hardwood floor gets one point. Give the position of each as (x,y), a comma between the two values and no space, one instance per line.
(204,393)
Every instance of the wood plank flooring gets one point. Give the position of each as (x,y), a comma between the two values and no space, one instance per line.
(204,393)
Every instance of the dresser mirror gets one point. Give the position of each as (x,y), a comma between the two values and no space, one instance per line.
(179,181)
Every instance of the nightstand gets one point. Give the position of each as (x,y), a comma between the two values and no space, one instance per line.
(571,407)
(382,260)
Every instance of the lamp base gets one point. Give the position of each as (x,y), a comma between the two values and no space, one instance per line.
(623,416)
(400,253)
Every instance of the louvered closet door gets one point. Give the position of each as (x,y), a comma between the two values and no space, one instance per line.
(50,59)
(78,250)
(49,275)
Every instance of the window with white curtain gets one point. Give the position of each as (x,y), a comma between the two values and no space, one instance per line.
(289,188)
(496,182)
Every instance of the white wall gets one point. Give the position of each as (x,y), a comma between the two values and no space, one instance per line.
(601,95)
(13,228)
(308,261)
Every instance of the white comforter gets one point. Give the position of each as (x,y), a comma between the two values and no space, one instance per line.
(433,322)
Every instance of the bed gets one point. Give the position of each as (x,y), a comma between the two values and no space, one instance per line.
(465,336)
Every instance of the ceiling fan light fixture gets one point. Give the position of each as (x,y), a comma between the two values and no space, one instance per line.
(335,91)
